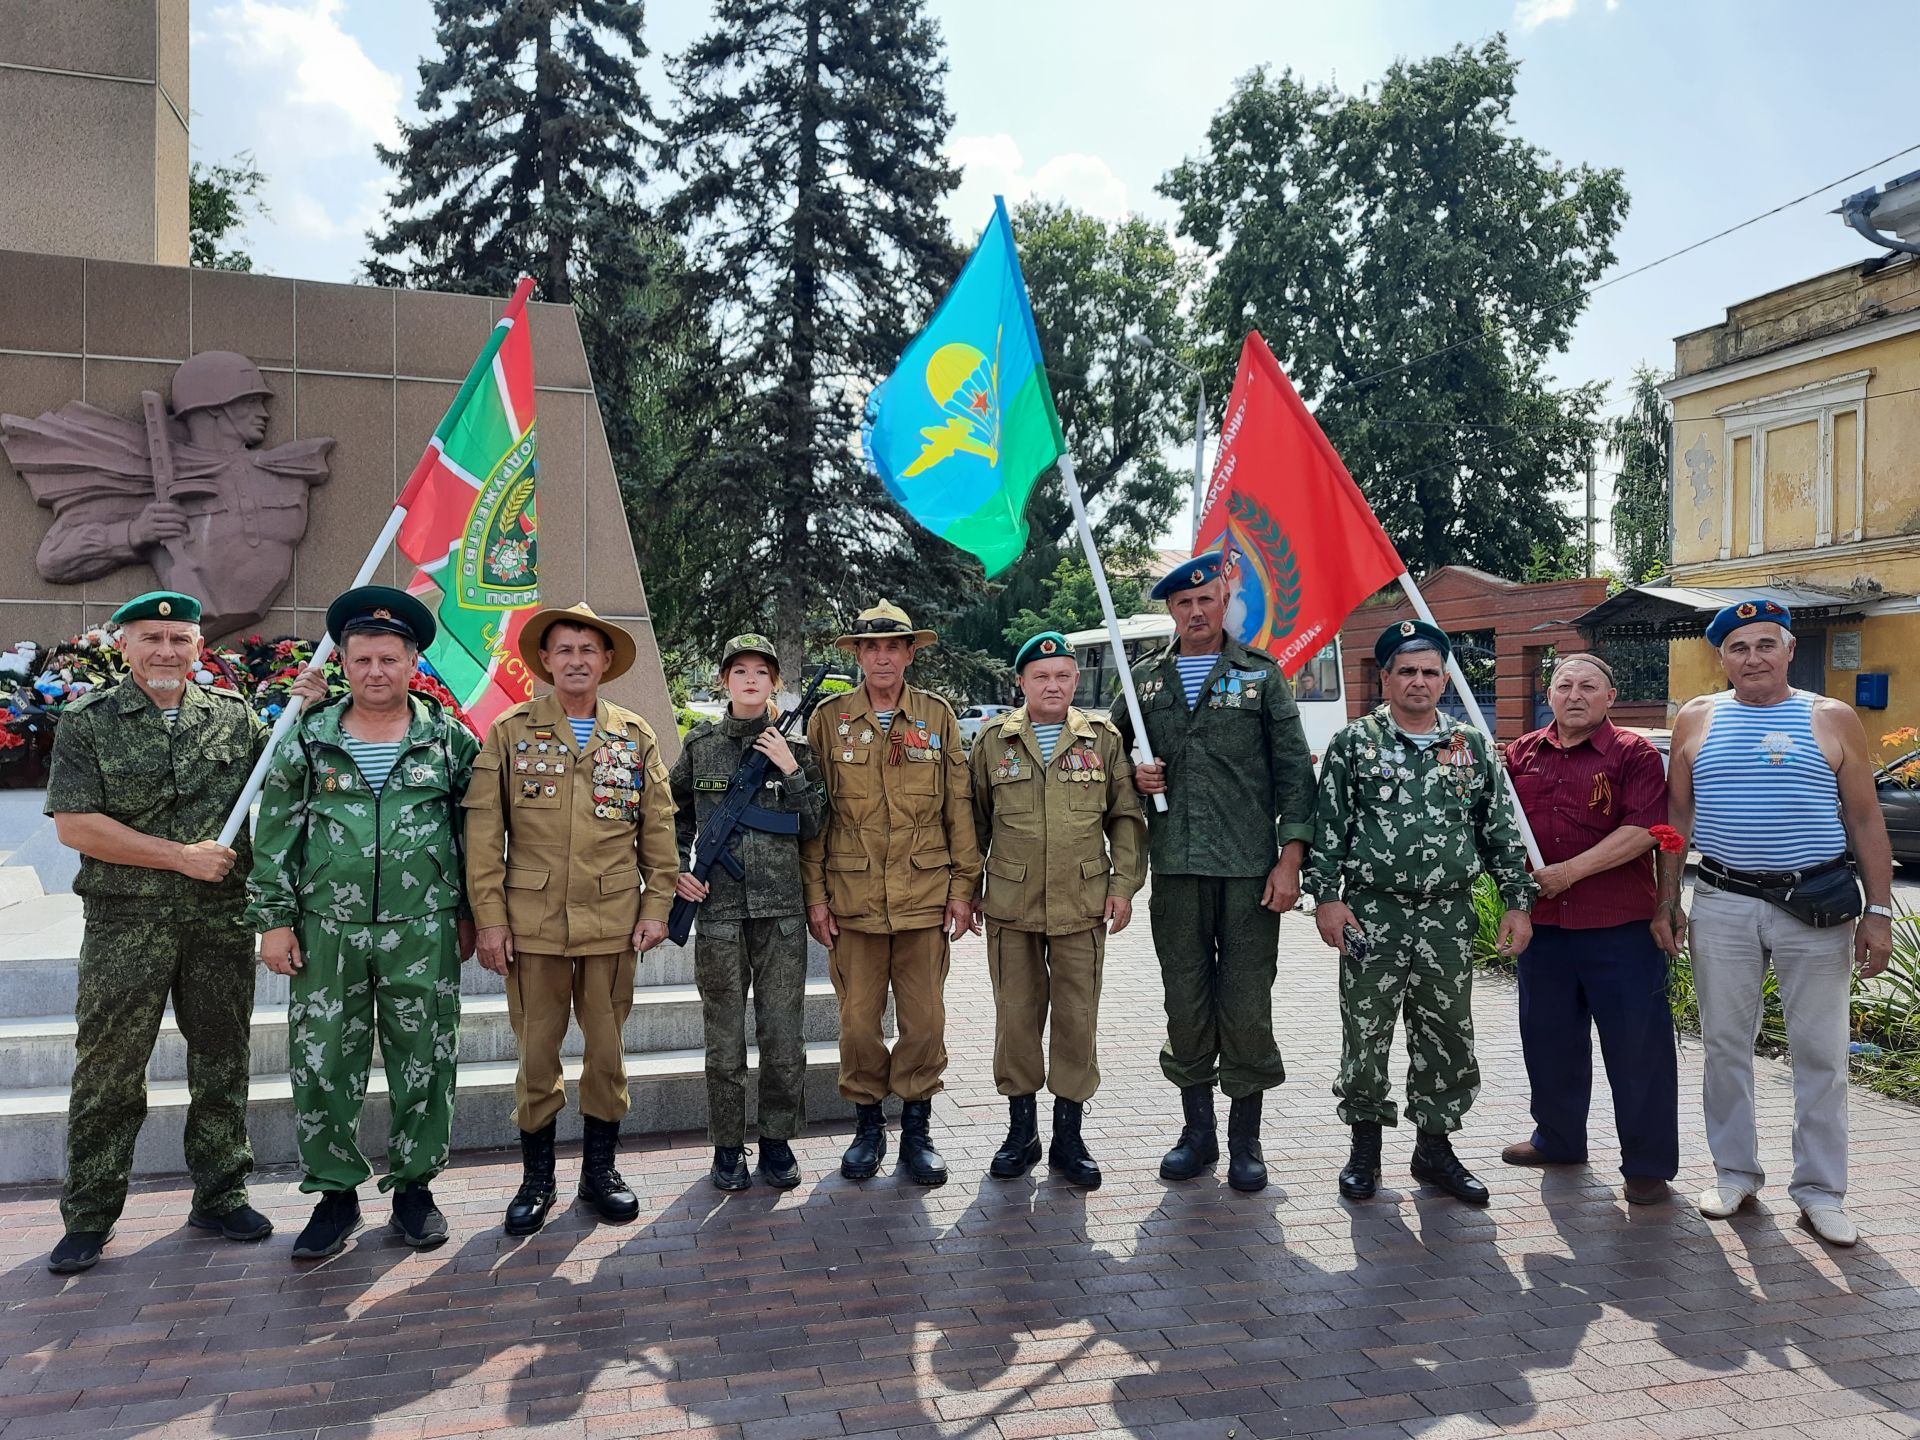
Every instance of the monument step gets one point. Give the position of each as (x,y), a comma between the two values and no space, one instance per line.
(37,1053)
(668,1091)
(18,883)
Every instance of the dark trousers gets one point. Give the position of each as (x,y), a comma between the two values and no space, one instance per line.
(1613,979)
(1219,950)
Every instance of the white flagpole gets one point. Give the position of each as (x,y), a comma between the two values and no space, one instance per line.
(291,714)
(1142,747)
(1420,608)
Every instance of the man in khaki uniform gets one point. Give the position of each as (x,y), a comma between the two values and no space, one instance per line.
(889,884)
(570,870)
(1052,800)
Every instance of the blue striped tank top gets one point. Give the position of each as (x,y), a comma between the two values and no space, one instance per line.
(1764,796)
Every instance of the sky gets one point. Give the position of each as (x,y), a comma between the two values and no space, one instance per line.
(1716,110)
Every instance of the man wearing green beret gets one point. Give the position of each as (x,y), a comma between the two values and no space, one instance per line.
(1066,852)
(359,897)
(1411,811)
(1232,761)
(144,774)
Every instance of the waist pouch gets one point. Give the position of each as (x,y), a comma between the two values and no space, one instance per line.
(1824,896)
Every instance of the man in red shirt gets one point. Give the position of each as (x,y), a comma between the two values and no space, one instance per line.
(1593,794)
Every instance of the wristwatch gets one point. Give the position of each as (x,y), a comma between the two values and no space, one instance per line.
(1880,910)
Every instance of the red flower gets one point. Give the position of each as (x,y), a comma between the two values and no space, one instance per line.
(1670,840)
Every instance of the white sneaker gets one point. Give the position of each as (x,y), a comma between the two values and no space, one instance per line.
(1720,1201)
(1832,1225)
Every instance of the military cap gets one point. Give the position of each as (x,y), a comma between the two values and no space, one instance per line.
(381,610)
(1410,633)
(1190,574)
(752,643)
(158,605)
(1047,645)
(882,620)
(1747,612)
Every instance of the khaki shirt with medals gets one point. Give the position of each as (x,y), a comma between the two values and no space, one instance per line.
(898,844)
(1061,837)
(569,847)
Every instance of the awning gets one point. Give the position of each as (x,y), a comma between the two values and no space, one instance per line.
(1676,611)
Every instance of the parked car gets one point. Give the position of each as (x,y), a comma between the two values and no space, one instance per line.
(974,716)
(1900,803)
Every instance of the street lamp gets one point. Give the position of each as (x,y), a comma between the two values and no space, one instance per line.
(1199,422)
(1894,206)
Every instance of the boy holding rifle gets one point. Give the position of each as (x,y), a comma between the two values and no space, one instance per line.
(753,933)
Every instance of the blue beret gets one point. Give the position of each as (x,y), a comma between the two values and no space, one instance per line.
(381,610)
(1047,645)
(158,605)
(1398,637)
(1747,612)
(1189,575)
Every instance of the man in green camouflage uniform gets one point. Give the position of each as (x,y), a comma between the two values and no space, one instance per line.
(1411,809)
(753,932)
(1232,761)
(359,897)
(144,774)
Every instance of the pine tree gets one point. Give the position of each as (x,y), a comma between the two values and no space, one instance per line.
(1640,439)
(809,140)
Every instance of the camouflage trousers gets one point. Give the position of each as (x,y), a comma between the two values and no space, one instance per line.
(1219,950)
(768,957)
(130,965)
(1420,963)
(404,980)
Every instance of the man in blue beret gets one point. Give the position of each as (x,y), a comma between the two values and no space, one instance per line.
(144,774)
(1232,762)
(1411,811)
(1774,787)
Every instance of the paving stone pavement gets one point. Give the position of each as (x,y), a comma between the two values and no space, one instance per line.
(1002,1310)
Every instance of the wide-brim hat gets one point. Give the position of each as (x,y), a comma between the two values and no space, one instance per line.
(381,610)
(534,634)
(881,621)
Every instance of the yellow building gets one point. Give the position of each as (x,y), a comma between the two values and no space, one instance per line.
(1796,474)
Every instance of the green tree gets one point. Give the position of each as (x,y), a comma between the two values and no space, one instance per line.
(219,200)
(808,141)
(1641,441)
(1415,265)
(1072,603)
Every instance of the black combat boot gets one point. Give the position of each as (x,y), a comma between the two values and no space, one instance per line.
(777,1165)
(600,1184)
(1362,1176)
(869,1147)
(416,1219)
(730,1168)
(1020,1151)
(1067,1152)
(1434,1163)
(923,1162)
(527,1211)
(335,1218)
(1246,1166)
(1199,1143)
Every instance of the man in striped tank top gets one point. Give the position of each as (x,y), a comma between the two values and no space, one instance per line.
(1775,787)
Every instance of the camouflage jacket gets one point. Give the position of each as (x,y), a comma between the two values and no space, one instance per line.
(114,754)
(709,756)
(1397,818)
(329,846)
(1239,775)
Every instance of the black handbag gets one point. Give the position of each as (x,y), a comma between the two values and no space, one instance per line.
(1823,897)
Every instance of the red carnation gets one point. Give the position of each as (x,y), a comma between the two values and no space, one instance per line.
(1669,839)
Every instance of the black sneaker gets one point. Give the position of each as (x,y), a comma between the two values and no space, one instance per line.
(335,1218)
(778,1167)
(730,1168)
(78,1250)
(243,1223)
(416,1219)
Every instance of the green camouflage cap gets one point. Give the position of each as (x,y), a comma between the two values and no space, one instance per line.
(752,643)
(158,605)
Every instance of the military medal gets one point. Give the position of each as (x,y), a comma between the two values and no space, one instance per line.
(1386,792)
(845,728)
(521,746)
(541,766)
(520,764)
(529,789)
(866,737)
(846,755)
(332,784)
(553,790)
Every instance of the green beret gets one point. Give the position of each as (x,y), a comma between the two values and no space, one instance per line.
(158,605)
(1396,638)
(381,610)
(1047,645)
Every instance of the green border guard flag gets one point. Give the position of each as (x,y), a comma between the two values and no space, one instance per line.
(965,425)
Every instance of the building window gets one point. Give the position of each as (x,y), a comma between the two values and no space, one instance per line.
(1800,456)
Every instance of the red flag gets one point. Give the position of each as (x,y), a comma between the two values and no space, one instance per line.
(1303,546)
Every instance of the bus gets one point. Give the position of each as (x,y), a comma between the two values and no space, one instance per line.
(1319,690)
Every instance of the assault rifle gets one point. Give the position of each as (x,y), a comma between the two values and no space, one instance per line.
(738,810)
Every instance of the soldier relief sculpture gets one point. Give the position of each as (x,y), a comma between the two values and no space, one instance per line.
(184,488)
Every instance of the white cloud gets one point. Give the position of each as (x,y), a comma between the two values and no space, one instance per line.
(1532,14)
(336,98)
(993,165)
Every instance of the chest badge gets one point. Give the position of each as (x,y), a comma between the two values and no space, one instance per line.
(1776,746)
